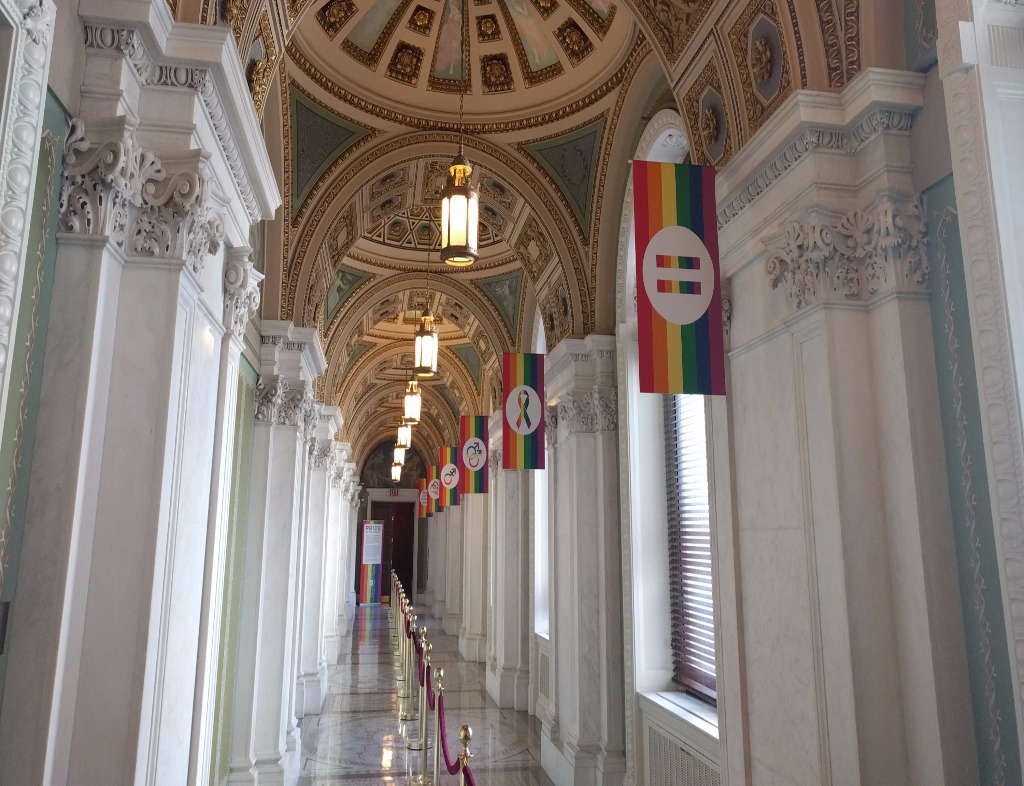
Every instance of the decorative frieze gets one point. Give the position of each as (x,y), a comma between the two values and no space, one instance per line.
(121,190)
(588,412)
(865,254)
(130,44)
(321,454)
(241,290)
(29,63)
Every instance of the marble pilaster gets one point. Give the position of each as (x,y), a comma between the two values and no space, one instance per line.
(508,669)
(291,359)
(334,605)
(311,679)
(473,631)
(453,570)
(589,749)
(438,535)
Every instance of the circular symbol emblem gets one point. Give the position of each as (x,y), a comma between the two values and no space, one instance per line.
(434,489)
(474,453)
(424,498)
(523,410)
(449,476)
(679,277)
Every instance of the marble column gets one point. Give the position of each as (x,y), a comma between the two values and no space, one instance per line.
(241,301)
(438,535)
(508,672)
(452,618)
(291,359)
(590,749)
(350,513)
(311,679)
(473,631)
(334,606)
(425,537)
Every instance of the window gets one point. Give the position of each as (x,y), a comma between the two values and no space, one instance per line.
(689,543)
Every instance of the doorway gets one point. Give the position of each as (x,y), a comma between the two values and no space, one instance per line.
(399,540)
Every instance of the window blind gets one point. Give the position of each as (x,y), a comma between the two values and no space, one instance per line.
(689,543)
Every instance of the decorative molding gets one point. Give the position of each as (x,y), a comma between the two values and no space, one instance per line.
(321,454)
(588,412)
(129,43)
(551,426)
(810,140)
(726,309)
(999,402)
(338,476)
(865,254)
(120,189)
(270,391)
(241,290)
(298,409)
(572,358)
(22,133)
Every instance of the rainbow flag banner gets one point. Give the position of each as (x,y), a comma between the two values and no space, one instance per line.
(522,379)
(448,462)
(434,504)
(423,500)
(473,454)
(679,293)
(370,567)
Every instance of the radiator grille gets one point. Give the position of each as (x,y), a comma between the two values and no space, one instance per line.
(670,765)
(545,675)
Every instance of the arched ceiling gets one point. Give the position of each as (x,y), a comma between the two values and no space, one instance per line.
(360,103)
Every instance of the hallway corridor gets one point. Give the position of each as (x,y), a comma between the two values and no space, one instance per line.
(358,740)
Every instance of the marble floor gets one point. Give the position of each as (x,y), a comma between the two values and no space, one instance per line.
(359,740)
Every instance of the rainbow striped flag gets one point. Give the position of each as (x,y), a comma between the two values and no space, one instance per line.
(369,584)
(473,454)
(422,500)
(448,462)
(522,379)
(679,294)
(434,490)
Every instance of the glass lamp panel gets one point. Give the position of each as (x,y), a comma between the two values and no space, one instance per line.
(457,226)
(474,221)
(396,472)
(399,455)
(404,436)
(445,212)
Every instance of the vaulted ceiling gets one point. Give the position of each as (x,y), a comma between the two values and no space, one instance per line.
(360,105)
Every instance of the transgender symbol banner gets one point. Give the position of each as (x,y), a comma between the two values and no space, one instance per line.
(522,379)
(422,500)
(433,490)
(448,462)
(473,454)
(679,297)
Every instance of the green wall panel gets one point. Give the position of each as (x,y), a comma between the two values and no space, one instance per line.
(988,662)
(26,363)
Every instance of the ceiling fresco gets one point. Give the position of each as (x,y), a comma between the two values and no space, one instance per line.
(360,101)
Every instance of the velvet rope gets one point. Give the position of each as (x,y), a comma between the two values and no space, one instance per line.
(406,625)
(419,668)
(470,780)
(430,692)
(453,769)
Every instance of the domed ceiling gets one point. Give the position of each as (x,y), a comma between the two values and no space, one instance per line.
(360,104)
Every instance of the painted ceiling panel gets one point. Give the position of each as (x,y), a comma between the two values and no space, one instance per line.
(504,292)
(468,354)
(571,161)
(345,282)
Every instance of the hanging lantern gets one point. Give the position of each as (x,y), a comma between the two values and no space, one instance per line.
(460,214)
(412,403)
(404,436)
(396,473)
(425,363)
(399,456)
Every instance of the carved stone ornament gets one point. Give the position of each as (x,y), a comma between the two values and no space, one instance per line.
(338,477)
(270,392)
(587,412)
(22,131)
(494,458)
(551,426)
(321,454)
(726,309)
(121,190)
(761,60)
(865,254)
(298,409)
(130,44)
(241,290)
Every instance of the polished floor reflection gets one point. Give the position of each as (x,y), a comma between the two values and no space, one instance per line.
(360,740)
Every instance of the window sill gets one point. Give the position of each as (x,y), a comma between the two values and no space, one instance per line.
(692,721)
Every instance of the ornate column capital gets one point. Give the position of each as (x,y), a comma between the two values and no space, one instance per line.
(122,190)
(589,411)
(270,392)
(551,425)
(281,403)
(494,458)
(241,290)
(321,454)
(863,255)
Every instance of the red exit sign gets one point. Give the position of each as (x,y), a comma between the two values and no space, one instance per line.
(392,492)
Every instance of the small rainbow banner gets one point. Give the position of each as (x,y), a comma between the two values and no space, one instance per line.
(522,378)
(473,454)
(422,500)
(434,490)
(448,464)
(679,296)
(370,567)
